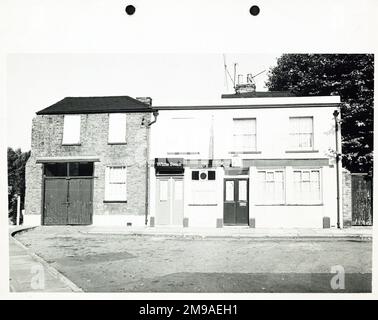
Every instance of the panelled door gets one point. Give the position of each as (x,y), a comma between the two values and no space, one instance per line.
(170,201)
(80,201)
(67,201)
(236,205)
(55,202)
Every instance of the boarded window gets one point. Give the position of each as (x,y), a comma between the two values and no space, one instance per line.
(270,187)
(71,129)
(117,128)
(244,135)
(301,133)
(306,186)
(115,183)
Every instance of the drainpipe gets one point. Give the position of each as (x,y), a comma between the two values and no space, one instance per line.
(335,115)
(155,114)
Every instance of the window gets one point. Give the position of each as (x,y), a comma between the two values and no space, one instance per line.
(211,175)
(115,183)
(72,169)
(117,128)
(244,135)
(163,190)
(301,133)
(306,186)
(195,175)
(183,136)
(230,190)
(71,129)
(271,187)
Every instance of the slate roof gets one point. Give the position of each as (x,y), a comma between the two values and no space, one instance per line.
(109,104)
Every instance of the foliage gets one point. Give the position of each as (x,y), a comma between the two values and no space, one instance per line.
(351,76)
(16,180)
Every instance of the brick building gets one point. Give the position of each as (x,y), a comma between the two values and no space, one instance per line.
(88,162)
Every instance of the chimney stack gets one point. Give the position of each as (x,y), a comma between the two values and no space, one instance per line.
(146,100)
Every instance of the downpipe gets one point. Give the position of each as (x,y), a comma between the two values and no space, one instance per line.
(335,115)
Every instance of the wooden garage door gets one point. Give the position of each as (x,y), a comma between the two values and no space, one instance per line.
(68,193)
(55,202)
(80,201)
(68,201)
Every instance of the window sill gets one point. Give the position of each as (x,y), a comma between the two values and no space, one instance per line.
(291,205)
(115,201)
(71,144)
(302,151)
(202,204)
(115,143)
(244,152)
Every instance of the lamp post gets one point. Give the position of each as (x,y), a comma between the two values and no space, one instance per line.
(335,115)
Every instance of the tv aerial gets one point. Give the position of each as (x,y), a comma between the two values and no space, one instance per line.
(239,85)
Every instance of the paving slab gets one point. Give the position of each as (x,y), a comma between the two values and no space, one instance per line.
(27,273)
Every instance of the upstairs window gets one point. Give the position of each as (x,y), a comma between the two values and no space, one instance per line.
(244,135)
(117,128)
(301,133)
(184,136)
(115,183)
(71,129)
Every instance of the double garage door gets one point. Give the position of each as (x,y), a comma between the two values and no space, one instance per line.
(67,199)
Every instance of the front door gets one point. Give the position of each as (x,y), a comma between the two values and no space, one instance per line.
(170,201)
(236,206)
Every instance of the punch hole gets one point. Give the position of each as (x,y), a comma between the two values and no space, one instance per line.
(130,9)
(254,10)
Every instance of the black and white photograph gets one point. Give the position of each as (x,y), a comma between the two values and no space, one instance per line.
(191,173)
(187,155)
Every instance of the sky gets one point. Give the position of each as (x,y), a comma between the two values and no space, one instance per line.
(36,81)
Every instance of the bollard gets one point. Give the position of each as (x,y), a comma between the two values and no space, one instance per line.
(18,210)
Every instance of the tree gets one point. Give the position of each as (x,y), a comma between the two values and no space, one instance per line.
(16,180)
(351,76)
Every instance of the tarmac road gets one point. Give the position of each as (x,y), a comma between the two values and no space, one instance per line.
(132,263)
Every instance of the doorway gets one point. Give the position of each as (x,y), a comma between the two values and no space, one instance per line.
(170,200)
(236,204)
(67,194)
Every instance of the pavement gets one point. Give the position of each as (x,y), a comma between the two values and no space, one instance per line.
(364,233)
(30,273)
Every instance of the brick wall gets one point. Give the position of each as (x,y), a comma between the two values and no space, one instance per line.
(47,134)
(347,198)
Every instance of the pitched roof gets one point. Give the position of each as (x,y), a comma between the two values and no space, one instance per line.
(110,104)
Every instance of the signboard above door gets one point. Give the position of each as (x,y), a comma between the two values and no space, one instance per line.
(169,165)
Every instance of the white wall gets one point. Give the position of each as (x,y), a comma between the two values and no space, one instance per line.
(272,132)
(272,143)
